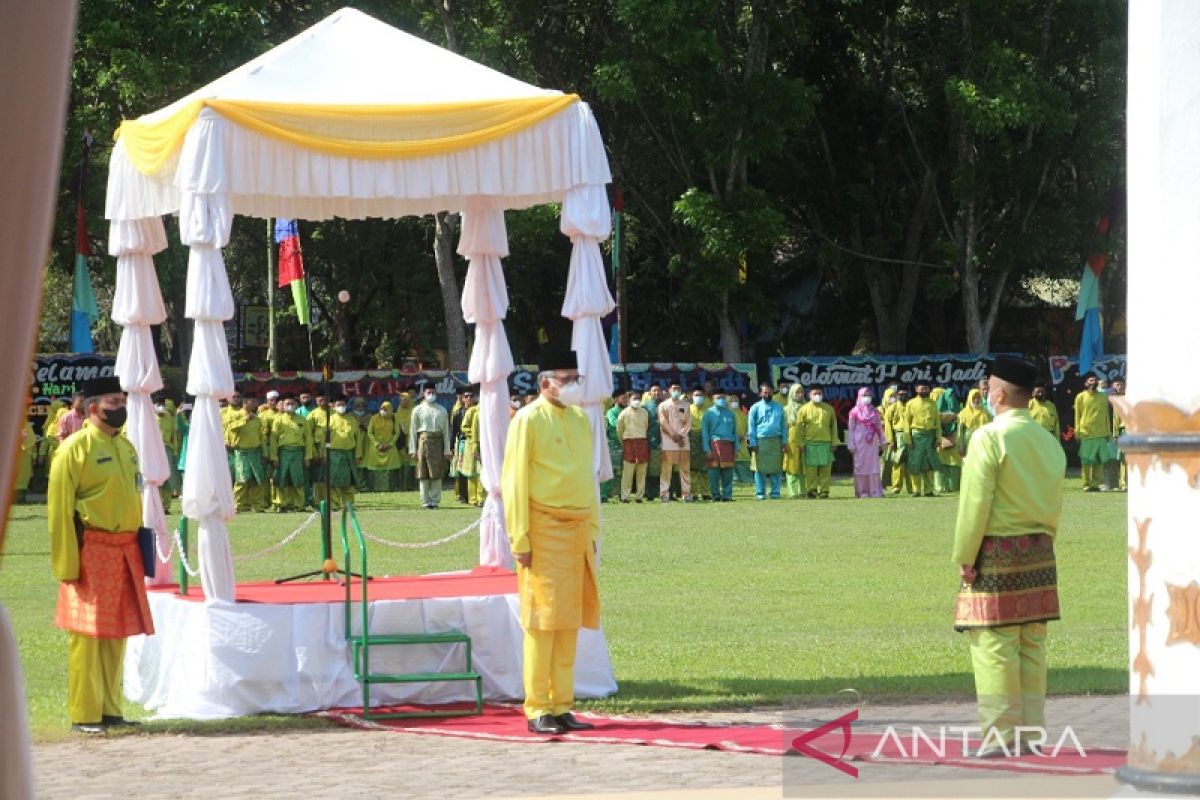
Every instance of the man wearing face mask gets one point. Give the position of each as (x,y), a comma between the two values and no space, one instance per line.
(347,446)
(382,459)
(408,467)
(653,440)
(896,428)
(818,436)
(317,418)
(767,437)
(1009,511)
(552,512)
(719,438)
(793,454)
(612,486)
(675,421)
(469,465)
(429,446)
(924,430)
(244,436)
(291,452)
(697,462)
(94,510)
(633,426)
(1093,431)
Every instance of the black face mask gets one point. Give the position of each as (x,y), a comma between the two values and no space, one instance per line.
(114,417)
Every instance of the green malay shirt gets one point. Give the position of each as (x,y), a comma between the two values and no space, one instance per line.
(1011,483)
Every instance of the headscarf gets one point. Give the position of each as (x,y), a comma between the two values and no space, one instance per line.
(972,416)
(947,403)
(867,414)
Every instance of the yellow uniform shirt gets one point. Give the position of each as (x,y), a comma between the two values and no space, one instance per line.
(344,433)
(633,423)
(922,414)
(1045,414)
(94,477)
(1092,417)
(243,433)
(817,422)
(1011,483)
(288,430)
(548,461)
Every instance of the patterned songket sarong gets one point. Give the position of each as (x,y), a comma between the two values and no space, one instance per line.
(1016,581)
(108,601)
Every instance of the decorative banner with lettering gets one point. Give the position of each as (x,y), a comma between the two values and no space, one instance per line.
(376,386)
(740,378)
(60,375)
(842,376)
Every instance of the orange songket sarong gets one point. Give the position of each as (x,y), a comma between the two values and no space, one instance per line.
(108,601)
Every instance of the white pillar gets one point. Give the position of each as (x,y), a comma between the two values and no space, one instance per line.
(137,304)
(1163,446)
(484,242)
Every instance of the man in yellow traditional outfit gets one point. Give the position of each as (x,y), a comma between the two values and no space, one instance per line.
(1093,431)
(817,428)
(924,430)
(633,432)
(244,436)
(382,460)
(895,428)
(429,446)
(552,509)
(267,412)
(172,437)
(468,460)
(1045,413)
(1008,516)
(290,451)
(94,508)
(1120,475)
(347,446)
(408,466)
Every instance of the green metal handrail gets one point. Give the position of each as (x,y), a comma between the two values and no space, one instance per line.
(182,530)
(348,516)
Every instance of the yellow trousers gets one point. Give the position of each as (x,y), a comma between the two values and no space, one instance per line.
(475,493)
(339,496)
(817,479)
(633,475)
(94,670)
(900,479)
(549,672)
(1010,677)
(289,497)
(250,496)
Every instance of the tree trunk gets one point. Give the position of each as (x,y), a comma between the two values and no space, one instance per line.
(731,342)
(443,254)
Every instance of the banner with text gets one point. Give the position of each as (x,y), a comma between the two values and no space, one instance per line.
(60,375)
(740,378)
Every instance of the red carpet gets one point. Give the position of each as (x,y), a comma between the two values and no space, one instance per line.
(481,581)
(507,724)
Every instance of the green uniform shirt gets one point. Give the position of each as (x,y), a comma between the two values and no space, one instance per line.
(96,477)
(817,422)
(1092,418)
(1011,483)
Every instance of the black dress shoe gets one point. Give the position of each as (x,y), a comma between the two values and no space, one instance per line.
(119,722)
(568,722)
(88,728)
(546,724)
(994,751)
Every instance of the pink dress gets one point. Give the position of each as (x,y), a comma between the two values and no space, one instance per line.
(865,443)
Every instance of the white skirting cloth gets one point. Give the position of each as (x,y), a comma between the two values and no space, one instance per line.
(225,660)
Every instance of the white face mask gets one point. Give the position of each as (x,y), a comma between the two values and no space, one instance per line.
(515,403)
(636,402)
(160,409)
(818,398)
(864,401)
(697,399)
(340,409)
(289,409)
(571,394)
(431,398)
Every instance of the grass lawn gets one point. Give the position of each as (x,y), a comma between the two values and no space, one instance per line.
(704,606)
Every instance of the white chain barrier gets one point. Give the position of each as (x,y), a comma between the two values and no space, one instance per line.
(423,545)
(313,517)
(183,559)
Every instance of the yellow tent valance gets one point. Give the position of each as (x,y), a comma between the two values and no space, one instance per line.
(409,131)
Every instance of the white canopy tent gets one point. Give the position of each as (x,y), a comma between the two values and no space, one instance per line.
(352,119)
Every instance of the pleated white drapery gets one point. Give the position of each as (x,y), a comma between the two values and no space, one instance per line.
(586,219)
(484,241)
(138,304)
(204,224)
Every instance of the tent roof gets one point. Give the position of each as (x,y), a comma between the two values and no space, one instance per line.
(351,58)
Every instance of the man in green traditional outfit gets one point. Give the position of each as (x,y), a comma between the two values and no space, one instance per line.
(1008,516)
(429,446)
(291,451)
(1093,431)
(347,446)
(244,436)
(950,457)
(818,436)
(653,439)
(612,487)
(793,455)
(924,424)
(767,438)
(382,459)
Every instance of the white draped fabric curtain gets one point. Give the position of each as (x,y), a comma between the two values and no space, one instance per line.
(138,304)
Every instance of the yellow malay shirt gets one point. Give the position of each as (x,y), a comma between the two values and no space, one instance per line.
(95,477)
(922,414)
(288,430)
(1011,483)
(817,422)
(344,434)
(242,433)
(548,461)
(1092,417)
(633,423)
(1045,414)
(168,426)
(383,429)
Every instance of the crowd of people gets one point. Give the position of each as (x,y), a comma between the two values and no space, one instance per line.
(665,444)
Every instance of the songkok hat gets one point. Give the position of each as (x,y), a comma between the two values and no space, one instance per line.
(618,393)
(102,386)
(1017,371)
(272,395)
(561,359)
(339,398)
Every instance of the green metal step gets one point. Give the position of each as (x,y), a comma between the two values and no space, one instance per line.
(451,637)
(421,677)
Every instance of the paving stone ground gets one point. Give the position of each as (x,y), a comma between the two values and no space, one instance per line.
(349,763)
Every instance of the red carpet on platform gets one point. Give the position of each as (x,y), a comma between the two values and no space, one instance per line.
(479,582)
(507,724)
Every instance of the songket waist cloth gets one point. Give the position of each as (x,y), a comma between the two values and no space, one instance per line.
(635,451)
(108,601)
(1016,581)
(721,454)
(557,590)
